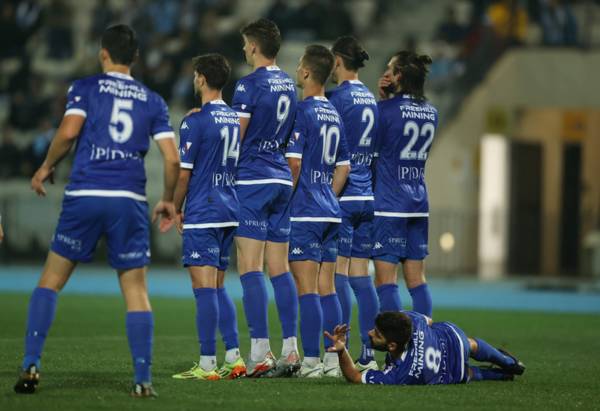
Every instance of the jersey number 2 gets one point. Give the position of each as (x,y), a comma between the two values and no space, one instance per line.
(121,116)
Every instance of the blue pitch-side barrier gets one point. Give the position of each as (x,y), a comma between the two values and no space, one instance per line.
(446,293)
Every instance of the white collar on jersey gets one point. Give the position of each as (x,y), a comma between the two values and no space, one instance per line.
(119,75)
(407,96)
(355,82)
(272,68)
(320,98)
(216,101)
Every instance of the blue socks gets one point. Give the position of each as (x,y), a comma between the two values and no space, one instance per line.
(227,320)
(42,307)
(256,302)
(140,327)
(421,299)
(484,374)
(389,298)
(343,291)
(487,353)
(286,297)
(311,324)
(368,307)
(332,315)
(207,318)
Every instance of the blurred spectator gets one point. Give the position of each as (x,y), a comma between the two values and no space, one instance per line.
(559,27)
(102,17)
(509,21)
(19,20)
(26,104)
(59,36)
(282,14)
(449,30)
(36,152)
(331,28)
(10,155)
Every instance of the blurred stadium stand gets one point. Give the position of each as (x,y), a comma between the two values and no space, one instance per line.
(518,69)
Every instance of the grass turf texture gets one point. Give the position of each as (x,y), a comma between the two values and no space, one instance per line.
(86,364)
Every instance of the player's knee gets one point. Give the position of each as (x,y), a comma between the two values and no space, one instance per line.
(473,345)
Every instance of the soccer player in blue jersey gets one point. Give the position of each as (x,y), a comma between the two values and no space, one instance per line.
(112,117)
(320,164)
(266,102)
(209,149)
(358,109)
(421,352)
(407,125)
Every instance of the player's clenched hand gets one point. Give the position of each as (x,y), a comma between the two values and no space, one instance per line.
(37,182)
(164,210)
(383,86)
(338,338)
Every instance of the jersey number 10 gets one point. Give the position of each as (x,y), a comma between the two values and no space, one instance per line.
(329,134)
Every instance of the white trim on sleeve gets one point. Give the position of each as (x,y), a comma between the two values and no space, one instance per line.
(163,135)
(357,198)
(211,225)
(106,193)
(363,377)
(293,155)
(188,166)
(76,112)
(343,163)
(264,181)
(392,214)
(316,219)
(241,114)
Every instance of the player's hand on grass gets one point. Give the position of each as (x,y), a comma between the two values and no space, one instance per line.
(383,87)
(37,182)
(166,211)
(338,338)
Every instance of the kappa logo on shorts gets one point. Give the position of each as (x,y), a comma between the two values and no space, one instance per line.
(296,251)
(195,255)
(377,246)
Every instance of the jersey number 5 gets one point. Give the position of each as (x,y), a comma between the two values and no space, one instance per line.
(120,116)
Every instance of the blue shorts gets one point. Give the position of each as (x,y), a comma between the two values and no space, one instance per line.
(315,241)
(459,351)
(355,239)
(264,212)
(122,221)
(207,246)
(400,238)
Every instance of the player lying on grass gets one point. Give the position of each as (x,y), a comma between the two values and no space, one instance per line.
(421,352)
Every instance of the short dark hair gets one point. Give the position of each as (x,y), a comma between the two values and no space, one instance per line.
(350,50)
(319,60)
(395,327)
(413,68)
(266,34)
(214,67)
(121,43)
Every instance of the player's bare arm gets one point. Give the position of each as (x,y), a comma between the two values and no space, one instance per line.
(63,140)
(180,192)
(339,345)
(165,207)
(244,122)
(295,167)
(340,175)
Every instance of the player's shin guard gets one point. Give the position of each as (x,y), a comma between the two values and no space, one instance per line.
(140,327)
(344,293)
(332,315)
(311,324)
(207,318)
(286,299)
(488,374)
(389,298)
(421,298)
(42,308)
(368,306)
(487,353)
(227,320)
(256,302)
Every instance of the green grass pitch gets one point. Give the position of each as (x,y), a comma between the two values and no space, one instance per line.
(86,364)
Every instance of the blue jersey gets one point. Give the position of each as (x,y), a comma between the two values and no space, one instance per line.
(268,97)
(404,136)
(121,116)
(318,139)
(209,146)
(434,355)
(358,109)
